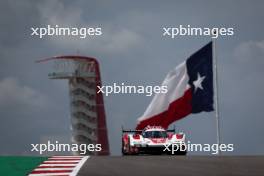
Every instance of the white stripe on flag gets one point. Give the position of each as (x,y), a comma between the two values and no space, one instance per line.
(177,83)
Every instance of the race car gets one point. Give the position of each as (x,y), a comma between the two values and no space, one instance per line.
(153,140)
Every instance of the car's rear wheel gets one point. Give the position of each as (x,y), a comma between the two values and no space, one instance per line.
(124,152)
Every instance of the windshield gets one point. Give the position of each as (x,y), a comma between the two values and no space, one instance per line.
(155,134)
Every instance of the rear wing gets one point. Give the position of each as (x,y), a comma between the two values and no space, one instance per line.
(140,131)
(131,131)
(172,130)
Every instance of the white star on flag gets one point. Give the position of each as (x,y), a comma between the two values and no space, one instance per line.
(198,83)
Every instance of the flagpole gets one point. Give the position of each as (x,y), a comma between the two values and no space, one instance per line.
(216,95)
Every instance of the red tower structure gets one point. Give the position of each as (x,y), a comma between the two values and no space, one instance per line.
(87,106)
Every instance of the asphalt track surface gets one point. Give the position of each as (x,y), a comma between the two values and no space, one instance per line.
(173,165)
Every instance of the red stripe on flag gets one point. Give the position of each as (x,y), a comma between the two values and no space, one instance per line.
(177,110)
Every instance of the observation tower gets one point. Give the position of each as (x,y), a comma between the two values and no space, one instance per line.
(88,118)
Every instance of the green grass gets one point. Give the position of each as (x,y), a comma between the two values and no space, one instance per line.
(18,166)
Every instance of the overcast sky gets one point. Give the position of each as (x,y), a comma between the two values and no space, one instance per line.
(34,109)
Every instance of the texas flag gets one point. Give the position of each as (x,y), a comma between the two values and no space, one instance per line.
(190,90)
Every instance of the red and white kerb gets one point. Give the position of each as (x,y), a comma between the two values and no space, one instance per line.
(60,165)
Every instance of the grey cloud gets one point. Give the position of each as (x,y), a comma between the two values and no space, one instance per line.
(250,51)
(14,94)
(113,40)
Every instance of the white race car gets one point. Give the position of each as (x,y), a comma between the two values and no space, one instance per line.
(153,140)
